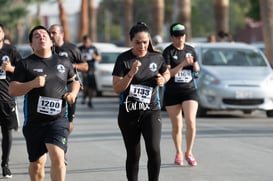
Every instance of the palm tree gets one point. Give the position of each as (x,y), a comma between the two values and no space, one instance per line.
(83,20)
(158,17)
(128,10)
(92,20)
(184,15)
(63,19)
(266,7)
(221,15)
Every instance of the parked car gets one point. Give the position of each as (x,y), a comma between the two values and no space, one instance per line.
(233,76)
(261,46)
(103,69)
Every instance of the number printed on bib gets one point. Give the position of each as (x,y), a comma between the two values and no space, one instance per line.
(49,106)
(141,93)
(183,76)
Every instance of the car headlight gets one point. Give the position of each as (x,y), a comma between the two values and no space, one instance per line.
(209,79)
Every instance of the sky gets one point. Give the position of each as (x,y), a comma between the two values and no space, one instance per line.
(50,8)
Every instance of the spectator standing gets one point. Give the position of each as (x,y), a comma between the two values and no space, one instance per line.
(137,75)
(180,92)
(72,52)
(9,56)
(43,78)
(91,55)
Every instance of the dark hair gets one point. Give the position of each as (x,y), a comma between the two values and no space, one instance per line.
(37,28)
(61,29)
(222,34)
(85,37)
(141,27)
(2,26)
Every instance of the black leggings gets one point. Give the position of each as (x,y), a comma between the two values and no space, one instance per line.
(132,125)
(6,144)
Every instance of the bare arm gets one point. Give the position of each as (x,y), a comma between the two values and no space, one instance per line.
(74,88)
(163,78)
(187,61)
(81,67)
(121,83)
(20,88)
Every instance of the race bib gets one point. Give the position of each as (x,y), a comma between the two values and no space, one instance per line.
(183,76)
(2,73)
(141,93)
(49,106)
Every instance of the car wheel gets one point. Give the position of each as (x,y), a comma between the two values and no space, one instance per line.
(201,112)
(269,113)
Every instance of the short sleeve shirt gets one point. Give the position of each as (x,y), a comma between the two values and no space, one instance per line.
(142,93)
(44,103)
(87,55)
(184,79)
(13,55)
(70,51)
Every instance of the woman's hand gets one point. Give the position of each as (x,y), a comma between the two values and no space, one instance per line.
(160,80)
(135,67)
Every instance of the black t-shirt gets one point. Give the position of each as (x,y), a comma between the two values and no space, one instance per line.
(44,103)
(143,91)
(14,57)
(87,55)
(183,80)
(70,51)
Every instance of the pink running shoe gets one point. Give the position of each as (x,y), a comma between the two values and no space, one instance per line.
(190,159)
(178,159)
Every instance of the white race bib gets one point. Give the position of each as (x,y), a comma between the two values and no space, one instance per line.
(141,93)
(183,76)
(2,73)
(49,106)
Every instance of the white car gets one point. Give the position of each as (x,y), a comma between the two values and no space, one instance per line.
(104,69)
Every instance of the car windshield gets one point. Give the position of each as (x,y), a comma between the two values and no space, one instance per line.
(109,57)
(231,57)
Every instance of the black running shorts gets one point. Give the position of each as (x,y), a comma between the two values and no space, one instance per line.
(174,99)
(38,134)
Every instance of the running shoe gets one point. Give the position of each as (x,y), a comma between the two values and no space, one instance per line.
(178,159)
(6,172)
(190,159)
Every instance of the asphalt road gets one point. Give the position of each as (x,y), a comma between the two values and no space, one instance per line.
(229,147)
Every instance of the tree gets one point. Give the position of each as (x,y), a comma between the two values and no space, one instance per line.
(63,19)
(128,12)
(266,9)
(11,15)
(92,20)
(158,17)
(221,15)
(184,15)
(83,20)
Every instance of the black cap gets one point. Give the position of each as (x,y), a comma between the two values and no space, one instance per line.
(177,29)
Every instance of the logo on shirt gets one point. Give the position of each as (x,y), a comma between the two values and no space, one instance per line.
(175,57)
(153,67)
(60,68)
(38,70)
(63,54)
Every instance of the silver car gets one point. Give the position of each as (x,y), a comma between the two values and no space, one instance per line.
(233,76)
